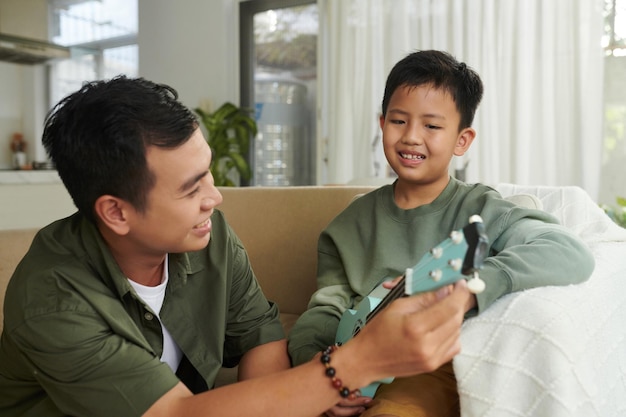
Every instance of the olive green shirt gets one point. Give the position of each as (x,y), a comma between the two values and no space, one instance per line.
(78,341)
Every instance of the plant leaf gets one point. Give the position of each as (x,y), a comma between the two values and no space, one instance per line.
(241,165)
(229,129)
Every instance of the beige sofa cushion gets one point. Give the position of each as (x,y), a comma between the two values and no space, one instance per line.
(279,227)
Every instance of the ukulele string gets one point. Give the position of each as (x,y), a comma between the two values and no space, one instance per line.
(399,290)
(395,293)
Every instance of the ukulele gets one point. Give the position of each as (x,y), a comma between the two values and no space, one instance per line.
(457,257)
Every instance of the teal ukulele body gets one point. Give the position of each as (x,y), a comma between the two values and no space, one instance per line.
(455,258)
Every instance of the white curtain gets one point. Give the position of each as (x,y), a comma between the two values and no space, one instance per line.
(540,121)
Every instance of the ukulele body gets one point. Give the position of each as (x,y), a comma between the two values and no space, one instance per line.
(350,324)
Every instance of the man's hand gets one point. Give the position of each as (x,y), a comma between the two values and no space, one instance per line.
(415,334)
(429,298)
(263,360)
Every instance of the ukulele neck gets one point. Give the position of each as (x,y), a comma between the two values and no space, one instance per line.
(396,292)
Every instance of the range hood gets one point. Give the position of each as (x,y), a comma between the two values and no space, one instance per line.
(29,51)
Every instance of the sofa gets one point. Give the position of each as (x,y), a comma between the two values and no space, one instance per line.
(552,351)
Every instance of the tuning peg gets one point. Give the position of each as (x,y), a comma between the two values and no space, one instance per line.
(436,252)
(475,219)
(455,264)
(435,274)
(475,284)
(456,237)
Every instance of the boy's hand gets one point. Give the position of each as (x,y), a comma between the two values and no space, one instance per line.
(348,407)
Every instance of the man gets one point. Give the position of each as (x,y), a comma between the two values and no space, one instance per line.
(131,305)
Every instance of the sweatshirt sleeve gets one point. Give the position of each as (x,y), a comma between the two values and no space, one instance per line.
(530,249)
(316,328)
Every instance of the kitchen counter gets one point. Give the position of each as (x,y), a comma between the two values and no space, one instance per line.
(29,177)
(32,199)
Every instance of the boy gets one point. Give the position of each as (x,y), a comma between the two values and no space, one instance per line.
(427,111)
(130,306)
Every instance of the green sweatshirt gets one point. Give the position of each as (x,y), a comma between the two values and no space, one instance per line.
(373,240)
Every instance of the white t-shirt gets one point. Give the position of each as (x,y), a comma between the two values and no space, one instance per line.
(153,296)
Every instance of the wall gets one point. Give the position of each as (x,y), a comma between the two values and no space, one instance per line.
(10,108)
(193,46)
(27,18)
(22,92)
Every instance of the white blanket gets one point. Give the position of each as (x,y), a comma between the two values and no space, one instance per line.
(553,351)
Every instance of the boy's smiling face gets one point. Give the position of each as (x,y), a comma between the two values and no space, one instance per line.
(420,136)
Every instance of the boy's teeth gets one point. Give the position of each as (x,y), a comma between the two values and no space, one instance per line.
(411,156)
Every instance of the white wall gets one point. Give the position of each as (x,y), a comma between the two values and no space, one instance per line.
(193,46)
(22,95)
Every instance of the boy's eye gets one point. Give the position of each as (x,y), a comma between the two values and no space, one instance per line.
(194,192)
(432,127)
(396,121)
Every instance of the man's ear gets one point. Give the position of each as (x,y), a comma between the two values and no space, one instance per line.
(464,140)
(113,213)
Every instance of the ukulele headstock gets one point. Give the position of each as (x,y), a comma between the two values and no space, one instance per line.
(462,253)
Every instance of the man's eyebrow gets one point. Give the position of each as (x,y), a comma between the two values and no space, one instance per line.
(192,181)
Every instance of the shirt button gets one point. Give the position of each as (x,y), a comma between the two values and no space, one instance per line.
(148,316)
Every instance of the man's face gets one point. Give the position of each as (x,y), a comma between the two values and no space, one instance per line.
(179,206)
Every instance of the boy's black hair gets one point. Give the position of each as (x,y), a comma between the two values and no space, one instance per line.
(97,138)
(442,71)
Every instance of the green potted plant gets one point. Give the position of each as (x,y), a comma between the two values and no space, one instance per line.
(617,214)
(229,129)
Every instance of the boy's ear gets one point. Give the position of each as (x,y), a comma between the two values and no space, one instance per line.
(464,140)
(381,120)
(112,212)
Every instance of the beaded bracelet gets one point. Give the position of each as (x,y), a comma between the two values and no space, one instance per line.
(331,373)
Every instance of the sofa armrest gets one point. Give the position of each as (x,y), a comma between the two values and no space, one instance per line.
(554,351)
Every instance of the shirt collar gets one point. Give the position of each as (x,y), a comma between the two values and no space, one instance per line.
(180,264)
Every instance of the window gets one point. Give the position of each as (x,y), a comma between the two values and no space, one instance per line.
(615,27)
(614,152)
(102,35)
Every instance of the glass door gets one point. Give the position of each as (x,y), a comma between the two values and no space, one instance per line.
(279,81)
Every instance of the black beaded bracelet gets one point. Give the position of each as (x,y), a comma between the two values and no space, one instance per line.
(331,373)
